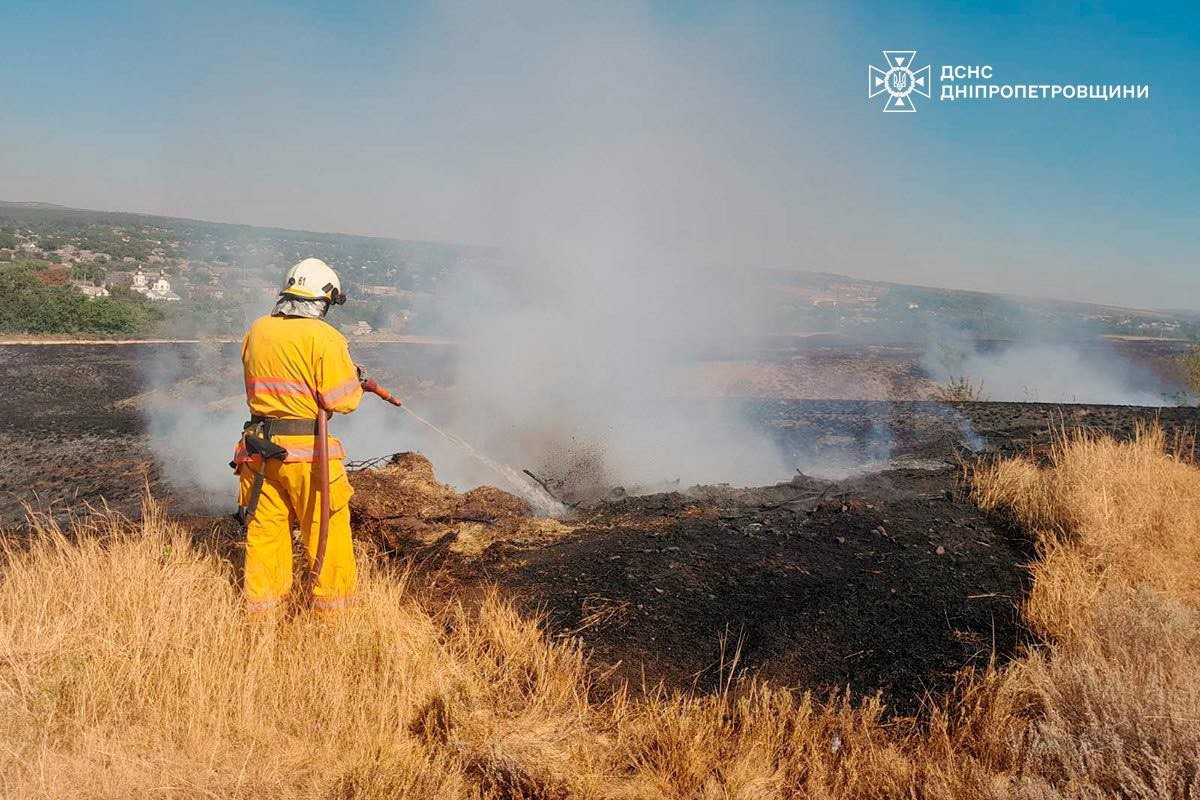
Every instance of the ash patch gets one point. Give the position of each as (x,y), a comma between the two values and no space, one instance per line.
(887,583)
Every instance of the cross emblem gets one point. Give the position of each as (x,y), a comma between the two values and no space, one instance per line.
(899,80)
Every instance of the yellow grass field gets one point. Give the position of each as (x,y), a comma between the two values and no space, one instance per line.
(127,669)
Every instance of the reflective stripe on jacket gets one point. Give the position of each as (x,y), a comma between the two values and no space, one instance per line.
(294,367)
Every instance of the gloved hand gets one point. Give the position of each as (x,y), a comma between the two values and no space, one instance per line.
(362,373)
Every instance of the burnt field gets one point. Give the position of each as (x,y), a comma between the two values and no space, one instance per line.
(887,579)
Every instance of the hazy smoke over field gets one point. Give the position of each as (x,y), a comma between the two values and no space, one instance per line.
(630,177)
(193,410)
(620,174)
(1043,368)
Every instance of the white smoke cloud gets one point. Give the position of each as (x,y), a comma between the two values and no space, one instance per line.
(629,177)
(1042,369)
(629,182)
(629,174)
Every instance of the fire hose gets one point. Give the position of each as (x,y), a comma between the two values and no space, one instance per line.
(322,448)
(535,493)
(374,388)
(322,442)
(547,504)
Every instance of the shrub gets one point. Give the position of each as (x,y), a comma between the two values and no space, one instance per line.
(31,306)
(959,390)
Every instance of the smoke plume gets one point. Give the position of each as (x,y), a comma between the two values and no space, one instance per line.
(1043,367)
(628,182)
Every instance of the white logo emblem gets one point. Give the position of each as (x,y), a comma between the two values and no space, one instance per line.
(899,80)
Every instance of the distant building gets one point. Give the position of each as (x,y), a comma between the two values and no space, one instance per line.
(158,291)
(92,292)
(360,328)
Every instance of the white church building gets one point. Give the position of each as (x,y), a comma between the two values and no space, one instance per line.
(159,290)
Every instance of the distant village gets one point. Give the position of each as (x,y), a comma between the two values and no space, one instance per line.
(161,278)
(63,259)
(207,270)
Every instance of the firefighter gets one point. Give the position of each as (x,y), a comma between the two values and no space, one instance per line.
(296,367)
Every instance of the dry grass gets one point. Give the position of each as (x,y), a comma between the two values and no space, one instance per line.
(1108,518)
(1189,368)
(128,669)
(1116,696)
(958,390)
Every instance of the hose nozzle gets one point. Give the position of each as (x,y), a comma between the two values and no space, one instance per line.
(374,388)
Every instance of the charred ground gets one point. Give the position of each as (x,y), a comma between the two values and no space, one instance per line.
(890,580)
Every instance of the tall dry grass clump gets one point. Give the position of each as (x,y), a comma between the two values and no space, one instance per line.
(1107,517)
(127,668)
(1115,697)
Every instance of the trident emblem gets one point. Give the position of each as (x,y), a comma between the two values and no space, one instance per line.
(899,80)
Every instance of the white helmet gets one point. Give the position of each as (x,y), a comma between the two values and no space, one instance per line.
(312,279)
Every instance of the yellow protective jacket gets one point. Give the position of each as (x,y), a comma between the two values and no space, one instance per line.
(293,366)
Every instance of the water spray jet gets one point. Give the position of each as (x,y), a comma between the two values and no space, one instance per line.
(542,502)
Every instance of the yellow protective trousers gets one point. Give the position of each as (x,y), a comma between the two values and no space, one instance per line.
(291,495)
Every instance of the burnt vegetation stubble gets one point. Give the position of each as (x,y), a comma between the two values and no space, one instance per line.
(889,582)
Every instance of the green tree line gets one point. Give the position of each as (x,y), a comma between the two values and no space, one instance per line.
(31,306)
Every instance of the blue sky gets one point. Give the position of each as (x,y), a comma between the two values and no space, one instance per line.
(444,120)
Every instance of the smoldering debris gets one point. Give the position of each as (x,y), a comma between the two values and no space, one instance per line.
(401,504)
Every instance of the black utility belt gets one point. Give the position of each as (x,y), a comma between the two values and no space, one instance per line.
(271,426)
